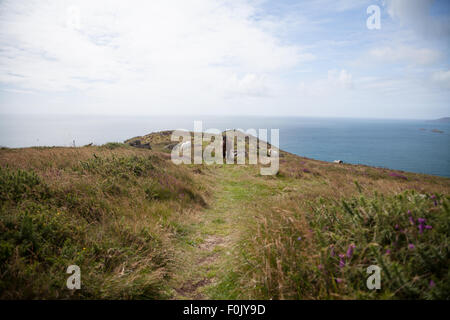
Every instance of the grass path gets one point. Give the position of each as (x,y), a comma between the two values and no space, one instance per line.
(204,254)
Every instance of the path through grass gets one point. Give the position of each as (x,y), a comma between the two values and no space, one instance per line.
(207,250)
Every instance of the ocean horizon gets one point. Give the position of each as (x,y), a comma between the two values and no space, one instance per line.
(419,146)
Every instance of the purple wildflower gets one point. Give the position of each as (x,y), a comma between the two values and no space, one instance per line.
(350,250)
(422,225)
(432,284)
(388,251)
(421,228)
(341,260)
(433,197)
(411,246)
(396,227)
(299,238)
(320,267)
(332,253)
(306,170)
(338,280)
(411,220)
(428,227)
(397,175)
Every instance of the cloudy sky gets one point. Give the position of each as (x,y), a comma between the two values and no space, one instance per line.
(239,57)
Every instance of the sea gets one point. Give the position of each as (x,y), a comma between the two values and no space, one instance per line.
(410,145)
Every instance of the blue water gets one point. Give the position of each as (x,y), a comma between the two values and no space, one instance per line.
(395,144)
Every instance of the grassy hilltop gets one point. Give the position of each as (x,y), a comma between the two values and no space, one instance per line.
(141,227)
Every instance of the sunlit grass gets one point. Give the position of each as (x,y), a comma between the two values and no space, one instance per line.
(141,227)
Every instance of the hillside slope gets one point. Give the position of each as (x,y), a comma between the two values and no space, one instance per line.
(141,227)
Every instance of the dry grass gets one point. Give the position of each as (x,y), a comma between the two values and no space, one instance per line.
(115,213)
(125,215)
(284,250)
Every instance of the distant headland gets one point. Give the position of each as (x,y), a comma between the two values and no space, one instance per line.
(445,119)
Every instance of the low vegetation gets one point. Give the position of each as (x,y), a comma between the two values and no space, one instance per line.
(141,227)
(321,249)
(114,214)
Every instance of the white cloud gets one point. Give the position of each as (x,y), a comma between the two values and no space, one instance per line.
(141,52)
(215,57)
(336,81)
(441,78)
(334,5)
(248,85)
(405,54)
(342,79)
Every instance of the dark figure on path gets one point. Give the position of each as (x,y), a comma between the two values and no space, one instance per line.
(226,153)
(224,146)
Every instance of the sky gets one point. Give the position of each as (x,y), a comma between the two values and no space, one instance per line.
(218,57)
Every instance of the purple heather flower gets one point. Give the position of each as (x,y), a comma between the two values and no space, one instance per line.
(428,227)
(338,280)
(299,238)
(411,246)
(409,212)
(388,251)
(320,267)
(341,260)
(435,203)
(350,250)
(397,175)
(421,227)
(432,284)
(396,227)
(411,220)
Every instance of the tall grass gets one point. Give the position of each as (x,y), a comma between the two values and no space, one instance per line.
(320,249)
(114,215)
(310,232)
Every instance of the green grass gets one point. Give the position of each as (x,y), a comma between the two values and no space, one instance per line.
(295,256)
(140,227)
(115,217)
